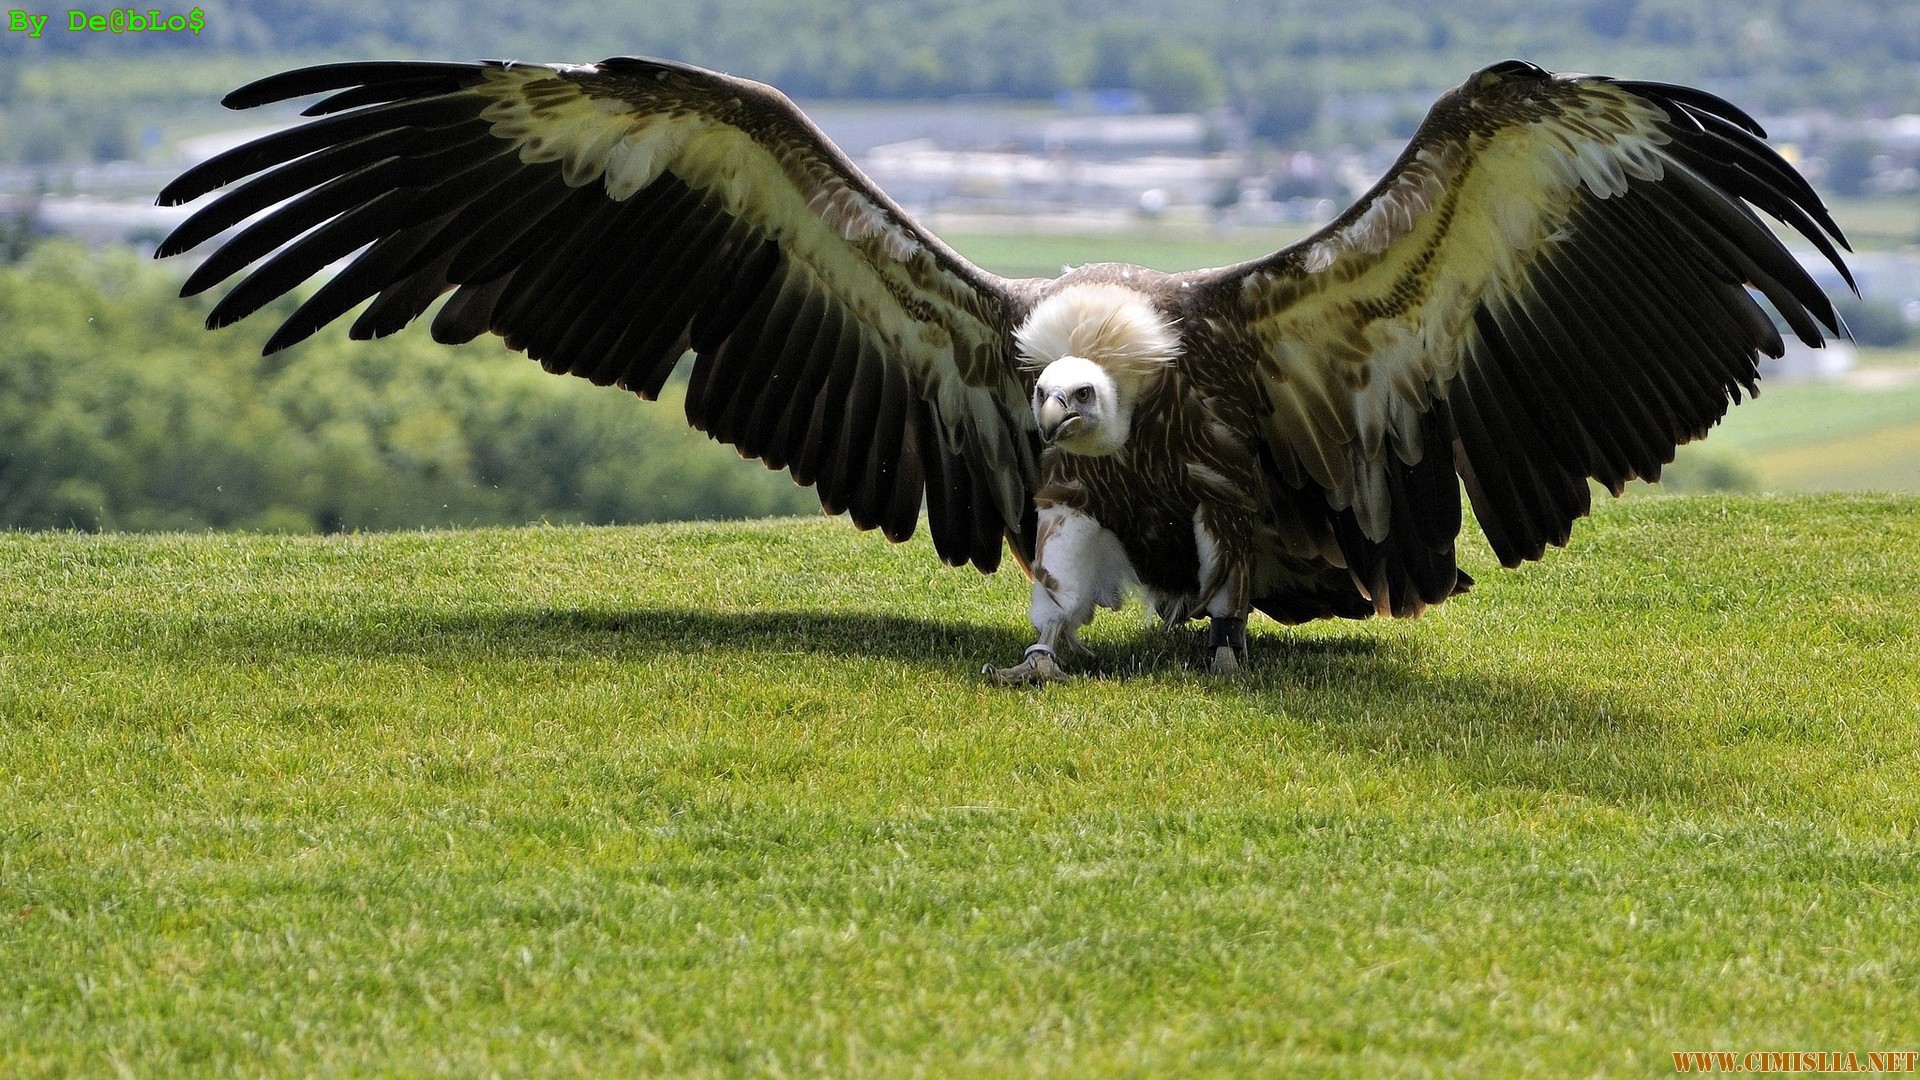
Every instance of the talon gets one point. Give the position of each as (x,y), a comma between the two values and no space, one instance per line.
(1225,662)
(1228,637)
(1037,669)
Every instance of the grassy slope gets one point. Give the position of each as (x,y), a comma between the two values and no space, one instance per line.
(726,800)
(1826,436)
(1169,248)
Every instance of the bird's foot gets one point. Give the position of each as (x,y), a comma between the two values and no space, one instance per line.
(1038,669)
(1228,639)
(1226,663)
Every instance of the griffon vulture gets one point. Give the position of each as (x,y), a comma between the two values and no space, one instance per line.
(1555,282)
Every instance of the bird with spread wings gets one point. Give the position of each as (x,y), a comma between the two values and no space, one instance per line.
(1555,282)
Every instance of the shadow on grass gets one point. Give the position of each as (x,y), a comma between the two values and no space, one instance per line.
(1491,728)
(614,634)
(1357,694)
(1147,651)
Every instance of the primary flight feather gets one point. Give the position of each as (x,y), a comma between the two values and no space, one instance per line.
(1553,283)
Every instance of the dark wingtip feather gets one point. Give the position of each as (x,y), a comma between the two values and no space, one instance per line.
(287,336)
(177,242)
(205,276)
(427,112)
(326,77)
(1690,98)
(182,189)
(1735,157)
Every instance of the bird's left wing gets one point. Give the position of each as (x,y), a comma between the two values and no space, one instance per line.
(1550,285)
(606,219)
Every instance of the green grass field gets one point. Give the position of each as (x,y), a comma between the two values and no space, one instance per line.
(1802,437)
(731,801)
(1879,223)
(1169,248)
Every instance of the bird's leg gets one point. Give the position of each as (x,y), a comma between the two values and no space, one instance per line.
(1223,578)
(1055,623)
(1222,540)
(1037,669)
(1077,566)
(1227,640)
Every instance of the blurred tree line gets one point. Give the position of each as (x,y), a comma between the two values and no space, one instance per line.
(118,410)
(78,96)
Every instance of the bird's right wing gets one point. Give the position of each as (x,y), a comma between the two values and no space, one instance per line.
(607,218)
(1551,285)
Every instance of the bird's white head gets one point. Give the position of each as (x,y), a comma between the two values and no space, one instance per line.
(1096,347)
(1079,408)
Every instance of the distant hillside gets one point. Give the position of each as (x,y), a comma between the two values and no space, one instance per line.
(62,93)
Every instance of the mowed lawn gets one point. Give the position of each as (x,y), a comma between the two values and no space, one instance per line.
(732,800)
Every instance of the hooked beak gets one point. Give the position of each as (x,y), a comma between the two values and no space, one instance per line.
(1054,416)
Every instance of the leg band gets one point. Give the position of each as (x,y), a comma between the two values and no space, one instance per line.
(1036,647)
(1227,630)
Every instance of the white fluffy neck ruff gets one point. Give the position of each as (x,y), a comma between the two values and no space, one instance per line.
(1112,325)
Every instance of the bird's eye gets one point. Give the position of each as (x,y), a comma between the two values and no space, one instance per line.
(1083,395)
